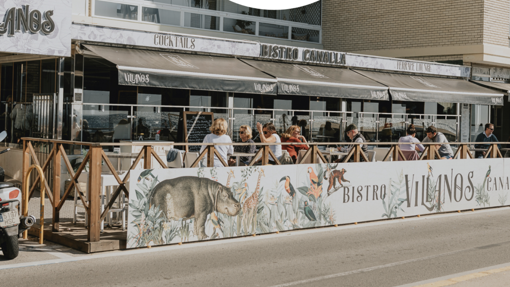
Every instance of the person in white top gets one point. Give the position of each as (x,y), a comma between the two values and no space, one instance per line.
(218,135)
(414,143)
(268,135)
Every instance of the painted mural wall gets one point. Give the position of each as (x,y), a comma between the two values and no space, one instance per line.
(180,205)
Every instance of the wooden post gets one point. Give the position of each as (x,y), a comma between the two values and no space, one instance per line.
(41,220)
(395,153)
(25,187)
(265,155)
(431,154)
(494,152)
(357,150)
(94,197)
(314,154)
(210,156)
(56,188)
(147,157)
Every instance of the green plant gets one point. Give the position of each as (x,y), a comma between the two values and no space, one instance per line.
(393,203)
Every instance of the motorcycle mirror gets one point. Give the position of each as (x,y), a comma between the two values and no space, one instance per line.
(3,135)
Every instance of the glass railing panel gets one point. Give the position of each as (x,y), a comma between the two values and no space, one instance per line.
(421,123)
(272,30)
(303,121)
(207,22)
(161,16)
(239,26)
(301,34)
(282,121)
(106,123)
(448,126)
(367,125)
(391,128)
(241,118)
(116,10)
(326,128)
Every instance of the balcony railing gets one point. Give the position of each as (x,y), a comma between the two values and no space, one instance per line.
(196,18)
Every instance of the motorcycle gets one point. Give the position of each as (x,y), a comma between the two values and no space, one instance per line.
(12,225)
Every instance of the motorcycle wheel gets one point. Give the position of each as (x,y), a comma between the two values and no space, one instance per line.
(10,247)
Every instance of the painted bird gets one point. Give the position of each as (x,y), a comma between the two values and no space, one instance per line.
(313,178)
(309,212)
(288,186)
(488,172)
(430,169)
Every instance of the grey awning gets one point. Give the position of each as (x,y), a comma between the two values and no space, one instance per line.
(184,71)
(303,80)
(431,89)
(499,86)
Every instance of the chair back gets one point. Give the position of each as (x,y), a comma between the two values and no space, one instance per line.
(371,155)
(191,157)
(177,163)
(301,153)
(380,153)
(409,155)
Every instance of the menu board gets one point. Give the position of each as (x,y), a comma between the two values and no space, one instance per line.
(196,126)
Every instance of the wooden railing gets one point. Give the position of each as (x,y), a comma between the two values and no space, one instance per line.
(95,156)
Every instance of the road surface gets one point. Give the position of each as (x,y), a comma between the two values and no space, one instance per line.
(387,253)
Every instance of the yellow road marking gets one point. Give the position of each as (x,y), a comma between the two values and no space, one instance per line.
(459,279)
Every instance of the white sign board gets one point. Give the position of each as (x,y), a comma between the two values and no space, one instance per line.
(36,27)
(169,41)
(180,205)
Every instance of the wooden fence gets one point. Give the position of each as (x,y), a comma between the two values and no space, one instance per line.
(95,157)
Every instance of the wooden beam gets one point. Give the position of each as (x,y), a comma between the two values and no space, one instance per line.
(349,155)
(24,188)
(425,152)
(158,159)
(45,182)
(273,156)
(306,155)
(255,157)
(147,157)
(56,189)
(219,157)
(200,157)
(389,154)
(210,156)
(74,180)
(399,152)
(45,166)
(74,176)
(94,196)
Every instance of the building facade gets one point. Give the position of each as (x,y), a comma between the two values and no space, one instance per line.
(473,33)
(111,70)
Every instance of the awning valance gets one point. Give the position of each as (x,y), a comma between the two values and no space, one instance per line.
(498,86)
(185,71)
(431,89)
(303,80)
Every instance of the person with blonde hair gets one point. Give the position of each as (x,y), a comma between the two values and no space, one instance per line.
(218,135)
(293,134)
(245,133)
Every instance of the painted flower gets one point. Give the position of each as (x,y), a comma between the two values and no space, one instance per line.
(272,199)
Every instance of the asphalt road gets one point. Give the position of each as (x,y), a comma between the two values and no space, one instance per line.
(390,253)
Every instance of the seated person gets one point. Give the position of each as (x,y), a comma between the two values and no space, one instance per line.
(433,136)
(246,134)
(268,134)
(486,137)
(293,134)
(410,150)
(218,135)
(356,137)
